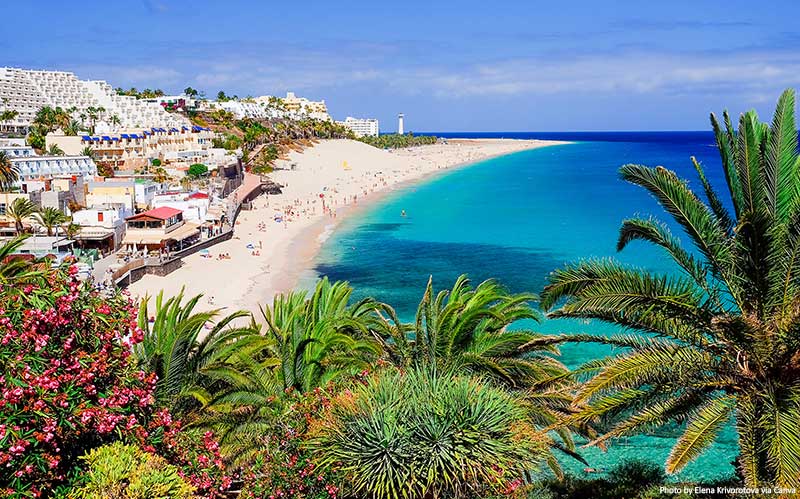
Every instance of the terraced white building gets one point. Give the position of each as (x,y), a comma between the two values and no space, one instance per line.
(26,91)
(32,167)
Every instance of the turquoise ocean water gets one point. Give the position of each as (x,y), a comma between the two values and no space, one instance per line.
(516,218)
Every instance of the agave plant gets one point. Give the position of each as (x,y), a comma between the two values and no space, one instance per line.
(427,434)
(718,342)
(183,346)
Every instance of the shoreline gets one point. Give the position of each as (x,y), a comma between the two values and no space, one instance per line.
(289,253)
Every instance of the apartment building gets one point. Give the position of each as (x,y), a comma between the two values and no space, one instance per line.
(30,166)
(362,127)
(26,91)
(135,149)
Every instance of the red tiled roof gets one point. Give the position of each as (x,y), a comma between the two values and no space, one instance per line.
(198,195)
(163,213)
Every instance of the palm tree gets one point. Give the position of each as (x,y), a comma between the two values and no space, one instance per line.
(8,116)
(179,349)
(721,340)
(15,271)
(466,329)
(9,173)
(321,337)
(88,151)
(71,229)
(307,342)
(19,210)
(55,150)
(50,218)
(160,175)
(73,128)
(115,121)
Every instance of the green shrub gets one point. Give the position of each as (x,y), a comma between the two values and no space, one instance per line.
(155,162)
(427,434)
(197,170)
(119,471)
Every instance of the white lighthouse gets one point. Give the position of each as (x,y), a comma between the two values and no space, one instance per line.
(400,124)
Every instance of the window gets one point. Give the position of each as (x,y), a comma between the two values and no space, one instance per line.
(2,208)
(99,216)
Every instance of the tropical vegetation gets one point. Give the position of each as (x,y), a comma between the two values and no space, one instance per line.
(197,170)
(9,173)
(719,342)
(19,210)
(398,141)
(323,394)
(427,433)
(51,219)
(118,470)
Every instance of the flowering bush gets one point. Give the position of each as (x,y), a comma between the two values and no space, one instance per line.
(68,385)
(196,453)
(286,469)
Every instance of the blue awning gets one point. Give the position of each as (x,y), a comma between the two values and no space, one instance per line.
(115,138)
(96,139)
(147,133)
(124,135)
(106,137)
(174,130)
(162,129)
(86,138)
(184,128)
(134,136)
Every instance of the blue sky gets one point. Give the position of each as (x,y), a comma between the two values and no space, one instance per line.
(449,66)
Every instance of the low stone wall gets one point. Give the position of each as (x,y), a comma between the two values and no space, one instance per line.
(207,243)
(136,269)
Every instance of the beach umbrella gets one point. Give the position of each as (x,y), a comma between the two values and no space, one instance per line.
(250,246)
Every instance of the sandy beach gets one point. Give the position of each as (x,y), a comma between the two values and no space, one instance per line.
(322,185)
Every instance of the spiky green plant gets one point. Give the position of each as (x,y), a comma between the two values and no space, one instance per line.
(117,471)
(466,330)
(182,351)
(425,434)
(722,337)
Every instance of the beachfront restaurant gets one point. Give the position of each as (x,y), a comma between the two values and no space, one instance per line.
(158,230)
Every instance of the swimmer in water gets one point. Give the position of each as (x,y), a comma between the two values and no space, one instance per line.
(403,213)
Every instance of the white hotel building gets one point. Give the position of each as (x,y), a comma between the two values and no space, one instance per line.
(362,126)
(33,167)
(26,91)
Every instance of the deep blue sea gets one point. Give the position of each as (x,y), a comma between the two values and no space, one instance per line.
(516,218)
